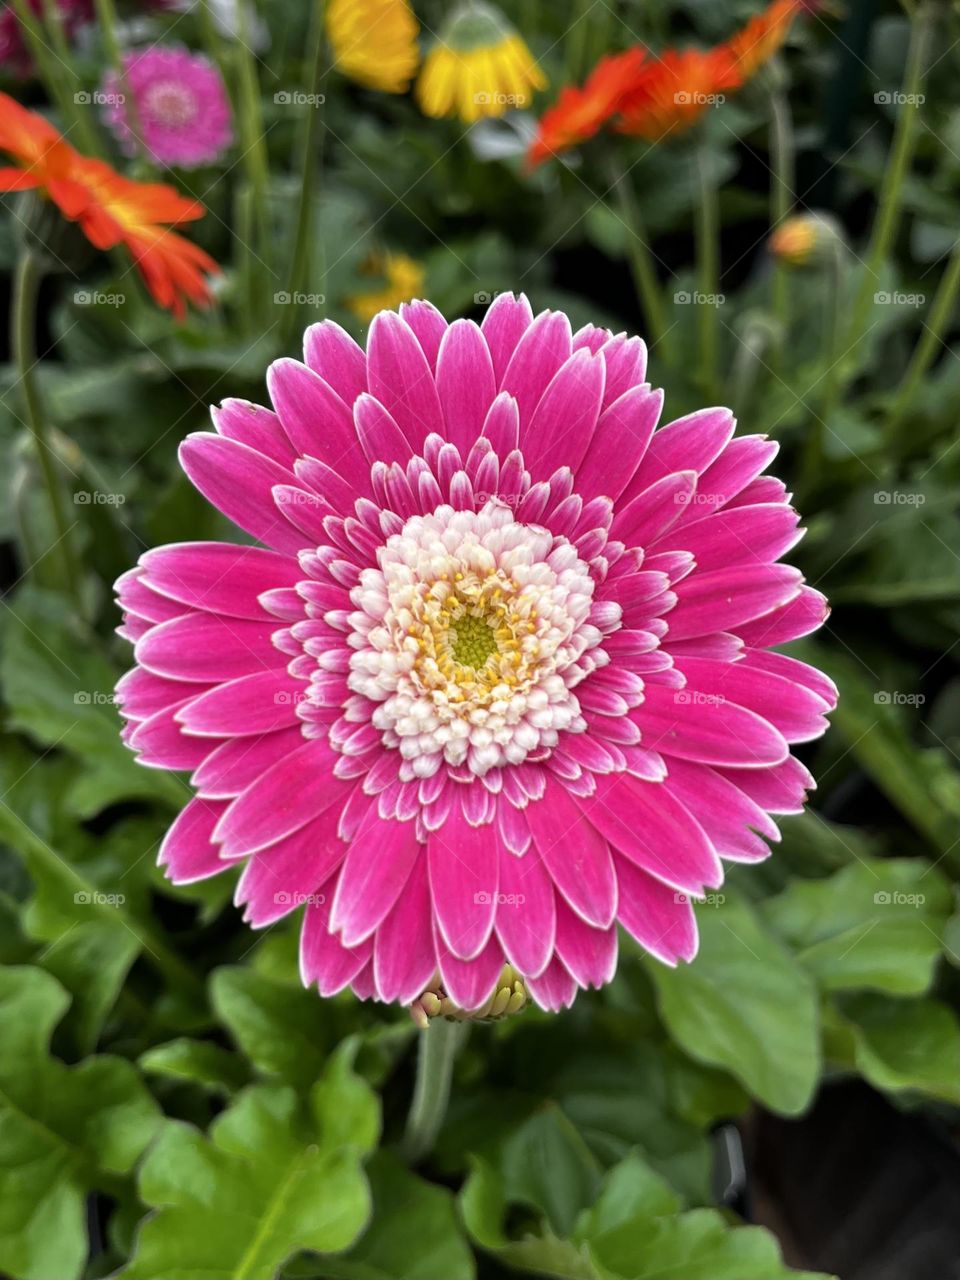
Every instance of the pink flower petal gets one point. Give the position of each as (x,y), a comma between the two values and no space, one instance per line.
(620,441)
(251,705)
(464,879)
(218,577)
(470,983)
(506,321)
(291,873)
(727,599)
(427,324)
(675,723)
(538,355)
(205,648)
(256,427)
(575,854)
(404,959)
(232,767)
(378,865)
(317,420)
(658,917)
(402,380)
(330,351)
(465,383)
(560,431)
(589,954)
(526,913)
(324,959)
(188,852)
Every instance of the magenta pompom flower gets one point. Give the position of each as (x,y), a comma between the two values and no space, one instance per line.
(181,112)
(498,676)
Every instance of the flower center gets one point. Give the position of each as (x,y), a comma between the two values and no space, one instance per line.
(474,640)
(470,637)
(171,103)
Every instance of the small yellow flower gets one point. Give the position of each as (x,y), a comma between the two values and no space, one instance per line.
(374,42)
(403,280)
(805,239)
(480,66)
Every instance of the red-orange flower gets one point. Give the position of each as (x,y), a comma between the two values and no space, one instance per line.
(109,208)
(579,113)
(674,90)
(757,42)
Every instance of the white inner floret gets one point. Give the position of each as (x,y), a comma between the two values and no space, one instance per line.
(471,636)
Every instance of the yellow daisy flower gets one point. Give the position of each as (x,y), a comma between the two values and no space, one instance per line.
(480,66)
(374,42)
(403,280)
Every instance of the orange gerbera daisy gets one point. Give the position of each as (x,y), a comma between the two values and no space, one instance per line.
(757,42)
(109,208)
(674,90)
(579,113)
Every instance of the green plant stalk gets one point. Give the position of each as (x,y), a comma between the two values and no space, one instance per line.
(310,142)
(641,263)
(252,137)
(243,221)
(107,17)
(60,84)
(575,50)
(930,339)
(890,200)
(813,452)
(708,273)
(23,327)
(781,201)
(436,1054)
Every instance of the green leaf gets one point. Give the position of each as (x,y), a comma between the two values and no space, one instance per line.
(746,1005)
(91,962)
(903,1045)
(198,1062)
(877,923)
(272,1179)
(547,1165)
(283,1030)
(699,1245)
(414,1233)
(60,691)
(483,1204)
(63,1131)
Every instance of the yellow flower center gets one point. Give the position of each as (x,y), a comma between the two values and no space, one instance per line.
(474,640)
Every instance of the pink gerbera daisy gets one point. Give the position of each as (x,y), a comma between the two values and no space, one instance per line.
(498,676)
(181,112)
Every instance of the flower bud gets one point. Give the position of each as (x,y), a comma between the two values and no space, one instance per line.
(510,996)
(806,240)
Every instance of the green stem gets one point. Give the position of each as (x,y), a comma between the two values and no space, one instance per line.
(813,453)
(576,45)
(107,18)
(641,262)
(930,339)
(781,201)
(890,200)
(708,272)
(253,139)
(55,65)
(23,325)
(309,152)
(437,1052)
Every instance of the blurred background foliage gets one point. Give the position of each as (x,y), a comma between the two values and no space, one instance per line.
(171,1101)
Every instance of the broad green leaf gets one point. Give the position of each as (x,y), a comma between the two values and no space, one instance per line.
(903,1045)
(630,1190)
(547,1165)
(271,1180)
(63,1131)
(198,1061)
(877,923)
(698,1245)
(746,1005)
(91,962)
(483,1204)
(283,1030)
(414,1233)
(60,692)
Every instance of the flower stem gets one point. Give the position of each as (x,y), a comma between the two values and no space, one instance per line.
(253,138)
(813,453)
(708,271)
(781,201)
(926,348)
(310,145)
(439,1045)
(641,263)
(59,80)
(890,200)
(23,326)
